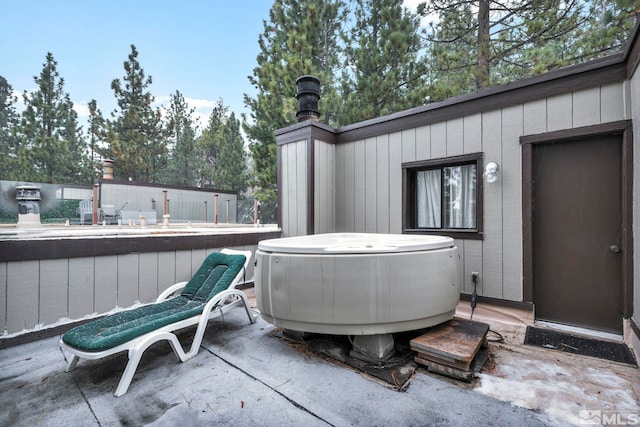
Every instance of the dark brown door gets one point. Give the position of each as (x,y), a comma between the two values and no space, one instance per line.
(577,232)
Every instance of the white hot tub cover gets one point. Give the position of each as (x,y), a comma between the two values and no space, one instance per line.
(355,243)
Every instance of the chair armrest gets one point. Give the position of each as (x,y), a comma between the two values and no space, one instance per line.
(171,291)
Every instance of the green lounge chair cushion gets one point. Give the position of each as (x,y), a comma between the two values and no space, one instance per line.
(215,275)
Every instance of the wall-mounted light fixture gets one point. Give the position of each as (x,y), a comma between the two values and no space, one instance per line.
(491,172)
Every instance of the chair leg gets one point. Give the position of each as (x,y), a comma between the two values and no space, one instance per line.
(135,354)
(71,364)
(252,315)
(127,375)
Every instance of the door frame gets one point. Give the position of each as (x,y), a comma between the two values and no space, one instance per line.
(622,127)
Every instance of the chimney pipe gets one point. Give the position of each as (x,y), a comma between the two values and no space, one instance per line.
(107,169)
(308,95)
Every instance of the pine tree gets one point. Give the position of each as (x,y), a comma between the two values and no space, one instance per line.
(611,24)
(222,148)
(135,133)
(209,144)
(51,146)
(482,43)
(184,162)
(96,130)
(385,71)
(452,51)
(230,172)
(300,38)
(8,123)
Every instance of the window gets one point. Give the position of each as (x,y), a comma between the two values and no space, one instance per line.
(442,196)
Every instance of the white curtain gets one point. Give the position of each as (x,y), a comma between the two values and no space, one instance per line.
(429,198)
(460,197)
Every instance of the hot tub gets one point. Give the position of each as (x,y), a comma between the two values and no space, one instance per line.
(357,283)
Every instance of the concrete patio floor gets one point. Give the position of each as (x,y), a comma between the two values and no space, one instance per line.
(244,375)
(561,385)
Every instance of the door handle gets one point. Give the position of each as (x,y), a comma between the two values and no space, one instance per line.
(614,248)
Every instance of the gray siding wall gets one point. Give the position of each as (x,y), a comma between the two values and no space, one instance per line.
(294,170)
(368,176)
(43,293)
(368,185)
(324,185)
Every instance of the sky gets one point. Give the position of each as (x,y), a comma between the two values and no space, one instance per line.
(206,49)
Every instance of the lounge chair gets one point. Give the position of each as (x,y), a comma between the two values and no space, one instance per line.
(85,209)
(210,293)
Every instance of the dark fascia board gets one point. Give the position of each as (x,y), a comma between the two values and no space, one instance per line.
(309,129)
(610,128)
(582,76)
(165,186)
(600,71)
(609,69)
(590,74)
(40,334)
(37,249)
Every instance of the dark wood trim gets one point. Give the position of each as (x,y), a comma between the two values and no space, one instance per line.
(305,130)
(165,186)
(623,127)
(32,336)
(602,71)
(521,305)
(36,249)
(480,199)
(455,234)
(311,187)
(590,74)
(610,128)
(408,189)
(279,185)
(527,222)
(444,161)
(634,327)
(627,219)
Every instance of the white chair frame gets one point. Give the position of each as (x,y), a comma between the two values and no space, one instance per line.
(217,306)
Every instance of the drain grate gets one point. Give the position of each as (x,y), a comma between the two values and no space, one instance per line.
(608,350)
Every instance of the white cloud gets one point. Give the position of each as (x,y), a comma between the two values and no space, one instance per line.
(81,109)
(161,100)
(20,101)
(413,6)
(202,108)
(201,104)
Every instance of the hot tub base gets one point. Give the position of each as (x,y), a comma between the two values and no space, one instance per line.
(359,329)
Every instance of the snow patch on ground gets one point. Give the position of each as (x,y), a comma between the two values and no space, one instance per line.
(560,384)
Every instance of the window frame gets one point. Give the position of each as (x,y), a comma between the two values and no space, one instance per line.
(409,203)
